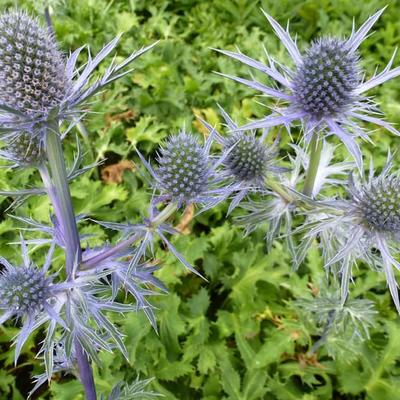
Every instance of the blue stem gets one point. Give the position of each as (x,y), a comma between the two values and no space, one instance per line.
(59,179)
(60,196)
(85,372)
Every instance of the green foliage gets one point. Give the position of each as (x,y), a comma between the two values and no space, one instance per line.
(241,335)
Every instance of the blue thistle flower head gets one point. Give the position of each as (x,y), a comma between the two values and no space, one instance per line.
(185,173)
(377,202)
(247,158)
(27,293)
(324,91)
(33,77)
(183,169)
(365,226)
(324,83)
(37,83)
(24,290)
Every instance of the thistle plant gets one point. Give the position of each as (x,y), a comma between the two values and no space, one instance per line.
(45,94)
(40,89)
(325,91)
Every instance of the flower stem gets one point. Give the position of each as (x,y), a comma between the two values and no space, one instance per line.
(59,179)
(327,329)
(124,244)
(85,372)
(315,157)
(280,190)
(58,189)
(165,214)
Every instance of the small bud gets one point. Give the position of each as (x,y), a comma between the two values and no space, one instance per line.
(247,158)
(378,203)
(23,290)
(183,168)
(25,149)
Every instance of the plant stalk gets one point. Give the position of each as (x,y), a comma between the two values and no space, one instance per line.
(124,244)
(59,193)
(59,179)
(315,157)
(85,372)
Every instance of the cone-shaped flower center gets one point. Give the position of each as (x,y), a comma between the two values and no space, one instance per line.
(32,69)
(324,83)
(379,205)
(183,167)
(23,290)
(247,158)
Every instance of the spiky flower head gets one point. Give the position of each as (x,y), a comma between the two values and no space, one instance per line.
(325,81)
(33,78)
(365,226)
(183,169)
(378,204)
(246,160)
(23,290)
(325,90)
(25,150)
(247,157)
(38,84)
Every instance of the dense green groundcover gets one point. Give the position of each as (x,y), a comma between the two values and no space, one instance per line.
(243,334)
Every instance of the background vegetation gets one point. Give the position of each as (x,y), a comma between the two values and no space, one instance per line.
(243,335)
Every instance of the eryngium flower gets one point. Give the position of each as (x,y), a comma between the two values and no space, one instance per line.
(183,168)
(247,158)
(324,90)
(325,81)
(26,293)
(23,290)
(33,78)
(247,161)
(355,228)
(37,83)
(278,210)
(24,150)
(377,203)
(185,173)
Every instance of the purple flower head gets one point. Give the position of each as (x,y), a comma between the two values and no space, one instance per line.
(33,78)
(185,173)
(23,290)
(28,294)
(324,90)
(184,168)
(246,160)
(376,203)
(324,83)
(365,226)
(38,84)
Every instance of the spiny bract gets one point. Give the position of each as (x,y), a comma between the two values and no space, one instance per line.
(378,203)
(23,290)
(324,83)
(25,149)
(183,167)
(247,157)
(32,69)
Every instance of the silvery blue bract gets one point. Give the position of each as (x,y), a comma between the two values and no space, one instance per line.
(324,90)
